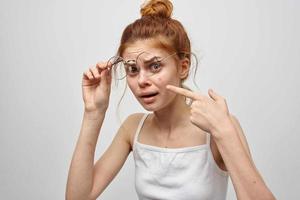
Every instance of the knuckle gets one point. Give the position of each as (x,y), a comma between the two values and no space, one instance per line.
(192,104)
(193,112)
(191,118)
(195,104)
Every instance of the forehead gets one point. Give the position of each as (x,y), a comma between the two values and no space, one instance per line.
(140,46)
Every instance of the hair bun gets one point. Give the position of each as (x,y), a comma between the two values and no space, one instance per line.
(161,8)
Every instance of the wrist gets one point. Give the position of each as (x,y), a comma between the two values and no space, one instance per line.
(94,114)
(225,130)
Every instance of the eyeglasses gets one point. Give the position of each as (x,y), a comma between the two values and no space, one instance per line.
(151,63)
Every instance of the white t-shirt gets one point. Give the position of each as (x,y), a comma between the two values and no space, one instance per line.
(188,173)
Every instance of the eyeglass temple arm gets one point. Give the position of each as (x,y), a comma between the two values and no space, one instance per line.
(119,59)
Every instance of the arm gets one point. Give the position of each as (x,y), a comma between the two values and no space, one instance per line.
(80,177)
(85,180)
(234,149)
(242,137)
(110,163)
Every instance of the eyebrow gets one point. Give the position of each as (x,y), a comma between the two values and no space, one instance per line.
(151,59)
(146,61)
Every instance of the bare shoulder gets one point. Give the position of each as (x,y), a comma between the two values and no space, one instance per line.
(129,126)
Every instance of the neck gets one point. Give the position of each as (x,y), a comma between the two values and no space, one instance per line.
(172,116)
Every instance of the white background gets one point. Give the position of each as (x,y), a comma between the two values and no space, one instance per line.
(249,53)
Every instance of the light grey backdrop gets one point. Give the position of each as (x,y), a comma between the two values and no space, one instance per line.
(249,53)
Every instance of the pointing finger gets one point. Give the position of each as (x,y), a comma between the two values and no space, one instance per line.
(183,92)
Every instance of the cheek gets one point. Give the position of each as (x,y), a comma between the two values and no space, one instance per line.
(159,79)
(166,79)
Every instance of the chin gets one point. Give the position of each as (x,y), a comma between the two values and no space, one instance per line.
(148,107)
(152,107)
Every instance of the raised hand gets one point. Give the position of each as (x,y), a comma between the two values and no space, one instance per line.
(208,113)
(96,85)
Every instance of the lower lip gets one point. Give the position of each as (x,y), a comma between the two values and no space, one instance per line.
(148,100)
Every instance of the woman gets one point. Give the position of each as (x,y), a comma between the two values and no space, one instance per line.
(181,151)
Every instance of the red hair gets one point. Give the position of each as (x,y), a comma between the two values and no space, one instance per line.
(156,23)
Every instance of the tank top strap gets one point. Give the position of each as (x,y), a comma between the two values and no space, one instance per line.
(138,130)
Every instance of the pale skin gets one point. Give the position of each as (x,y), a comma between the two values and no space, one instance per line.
(87,180)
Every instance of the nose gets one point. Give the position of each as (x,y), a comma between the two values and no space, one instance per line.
(143,79)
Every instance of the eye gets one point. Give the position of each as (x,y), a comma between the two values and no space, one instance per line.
(131,69)
(155,66)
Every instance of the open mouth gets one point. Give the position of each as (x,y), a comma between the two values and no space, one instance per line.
(149,95)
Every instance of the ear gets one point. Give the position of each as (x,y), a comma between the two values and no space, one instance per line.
(184,68)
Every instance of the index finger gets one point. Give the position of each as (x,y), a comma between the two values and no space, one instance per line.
(183,92)
(104,65)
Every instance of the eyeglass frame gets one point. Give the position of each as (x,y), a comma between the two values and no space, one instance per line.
(120,59)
